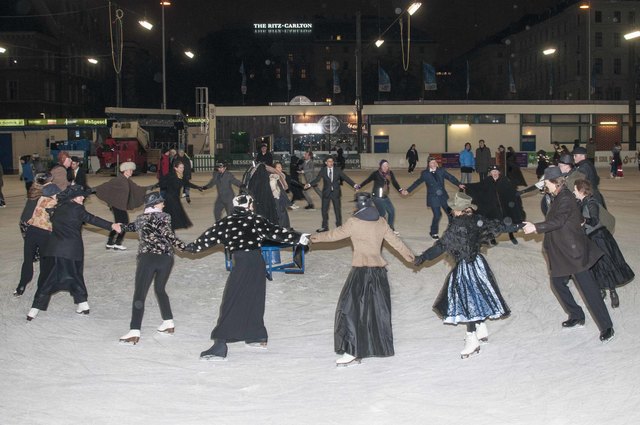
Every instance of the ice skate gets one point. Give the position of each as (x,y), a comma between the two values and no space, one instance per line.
(471,346)
(83,308)
(119,247)
(261,345)
(347,360)
(482,332)
(167,327)
(131,337)
(607,335)
(217,352)
(615,301)
(19,291)
(32,314)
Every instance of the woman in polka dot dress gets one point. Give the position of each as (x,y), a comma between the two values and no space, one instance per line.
(242,309)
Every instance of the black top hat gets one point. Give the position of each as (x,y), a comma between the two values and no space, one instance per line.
(363,199)
(579,151)
(220,164)
(152,199)
(73,191)
(551,173)
(494,167)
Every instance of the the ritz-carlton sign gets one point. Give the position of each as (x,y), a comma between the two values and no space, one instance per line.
(274,27)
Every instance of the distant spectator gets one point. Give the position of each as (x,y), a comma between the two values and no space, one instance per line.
(27,171)
(59,171)
(264,155)
(483,159)
(412,158)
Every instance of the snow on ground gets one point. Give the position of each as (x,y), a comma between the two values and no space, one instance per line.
(63,368)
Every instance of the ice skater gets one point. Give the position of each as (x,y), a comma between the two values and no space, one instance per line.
(155,261)
(382,180)
(570,253)
(470,294)
(62,267)
(363,317)
(222,180)
(242,309)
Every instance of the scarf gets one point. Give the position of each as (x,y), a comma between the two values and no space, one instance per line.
(153,209)
(179,174)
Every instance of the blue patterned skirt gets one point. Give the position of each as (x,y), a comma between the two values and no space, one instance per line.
(470,294)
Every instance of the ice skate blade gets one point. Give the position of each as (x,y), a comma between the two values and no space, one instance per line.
(168,331)
(353,362)
(256,345)
(83,312)
(130,341)
(484,341)
(471,354)
(212,358)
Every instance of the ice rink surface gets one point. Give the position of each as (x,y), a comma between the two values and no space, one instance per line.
(63,368)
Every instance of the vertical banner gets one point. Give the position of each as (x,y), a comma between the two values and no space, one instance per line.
(429,76)
(512,82)
(243,85)
(336,78)
(384,82)
(468,80)
(288,77)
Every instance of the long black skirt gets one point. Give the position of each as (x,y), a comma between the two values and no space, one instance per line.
(242,309)
(611,270)
(363,316)
(60,274)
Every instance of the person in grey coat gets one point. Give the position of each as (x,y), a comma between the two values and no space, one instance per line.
(483,159)
(223,181)
(309,173)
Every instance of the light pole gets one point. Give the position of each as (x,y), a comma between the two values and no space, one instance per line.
(163,4)
(587,6)
(550,52)
(631,37)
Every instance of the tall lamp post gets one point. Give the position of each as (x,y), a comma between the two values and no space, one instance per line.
(631,37)
(358,53)
(163,4)
(550,52)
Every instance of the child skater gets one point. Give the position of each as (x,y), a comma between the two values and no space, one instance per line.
(363,317)
(155,260)
(470,294)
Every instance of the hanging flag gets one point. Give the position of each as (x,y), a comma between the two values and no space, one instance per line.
(243,85)
(384,82)
(468,81)
(429,76)
(288,77)
(512,82)
(336,77)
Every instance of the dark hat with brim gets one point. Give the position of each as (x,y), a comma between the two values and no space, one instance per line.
(363,199)
(72,192)
(152,199)
(579,151)
(565,158)
(50,190)
(220,164)
(243,201)
(494,167)
(76,159)
(461,201)
(551,173)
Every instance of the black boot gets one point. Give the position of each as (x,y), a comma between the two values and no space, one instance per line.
(19,291)
(217,351)
(513,239)
(615,301)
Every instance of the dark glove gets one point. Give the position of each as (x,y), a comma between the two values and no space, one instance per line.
(191,248)
(418,260)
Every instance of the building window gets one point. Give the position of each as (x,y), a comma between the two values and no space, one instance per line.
(632,17)
(598,16)
(616,39)
(617,66)
(12,90)
(13,62)
(290,56)
(597,66)
(303,73)
(598,39)
(617,16)
(327,65)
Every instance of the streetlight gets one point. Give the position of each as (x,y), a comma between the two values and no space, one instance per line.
(550,51)
(632,87)
(163,4)
(587,6)
(92,61)
(2,49)
(358,53)
(146,24)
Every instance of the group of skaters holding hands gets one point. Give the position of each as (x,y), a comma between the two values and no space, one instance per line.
(578,244)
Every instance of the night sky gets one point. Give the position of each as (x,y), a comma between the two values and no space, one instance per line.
(457,25)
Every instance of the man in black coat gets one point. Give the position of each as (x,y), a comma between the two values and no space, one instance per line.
(331,192)
(433,177)
(586,167)
(571,253)
(223,180)
(264,155)
(76,172)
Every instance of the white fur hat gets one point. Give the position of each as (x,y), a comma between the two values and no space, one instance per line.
(127,166)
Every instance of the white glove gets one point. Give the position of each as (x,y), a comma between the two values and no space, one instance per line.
(304,239)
